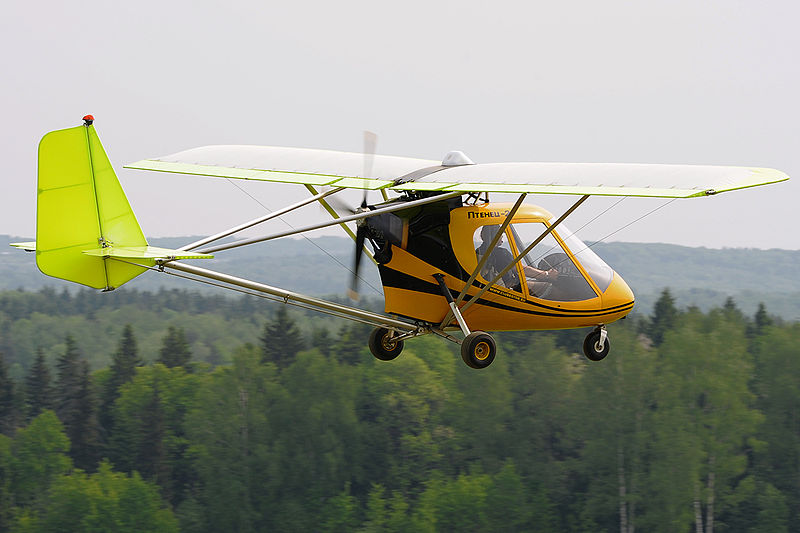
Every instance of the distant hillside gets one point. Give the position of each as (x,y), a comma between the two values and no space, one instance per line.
(706,277)
(697,276)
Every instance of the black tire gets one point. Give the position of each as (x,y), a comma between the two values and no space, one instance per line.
(590,348)
(478,350)
(382,346)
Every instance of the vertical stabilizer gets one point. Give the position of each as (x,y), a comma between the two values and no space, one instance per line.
(81,206)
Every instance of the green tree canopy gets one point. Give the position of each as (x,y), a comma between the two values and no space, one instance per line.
(149,435)
(40,455)
(281,339)
(8,404)
(664,318)
(175,349)
(102,502)
(38,388)
(76,407)
(123,367)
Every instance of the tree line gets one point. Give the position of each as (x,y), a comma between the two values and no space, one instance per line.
(690,424)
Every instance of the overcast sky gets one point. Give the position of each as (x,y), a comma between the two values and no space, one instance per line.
(645,82)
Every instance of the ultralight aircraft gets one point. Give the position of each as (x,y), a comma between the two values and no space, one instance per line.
(450,260)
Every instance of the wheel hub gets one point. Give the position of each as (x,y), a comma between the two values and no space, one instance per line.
(388,343)
(482,351)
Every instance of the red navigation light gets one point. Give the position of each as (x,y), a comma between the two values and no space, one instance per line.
(88,119)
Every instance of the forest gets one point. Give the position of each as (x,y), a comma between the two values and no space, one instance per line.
(179,411)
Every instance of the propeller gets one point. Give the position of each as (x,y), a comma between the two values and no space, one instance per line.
(339,205)
(370,141)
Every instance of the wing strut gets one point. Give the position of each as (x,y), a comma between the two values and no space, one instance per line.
(332,212)
(259,220)
(484,259)
(358,216)
(524,252)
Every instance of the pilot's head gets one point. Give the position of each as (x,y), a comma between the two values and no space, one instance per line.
(488,233)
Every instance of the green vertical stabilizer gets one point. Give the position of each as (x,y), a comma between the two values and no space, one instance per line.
(86,231)
(81,206)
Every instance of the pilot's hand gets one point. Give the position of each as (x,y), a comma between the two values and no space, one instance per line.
(551,275)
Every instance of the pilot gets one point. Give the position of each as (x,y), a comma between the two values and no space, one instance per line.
(500,258)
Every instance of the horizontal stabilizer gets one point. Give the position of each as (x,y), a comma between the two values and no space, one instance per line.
(27,246)
(148,253)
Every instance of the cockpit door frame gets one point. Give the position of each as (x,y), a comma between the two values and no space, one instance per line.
(484,259)
(518,258)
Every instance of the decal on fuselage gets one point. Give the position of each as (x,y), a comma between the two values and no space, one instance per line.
(501,292)
(487,214)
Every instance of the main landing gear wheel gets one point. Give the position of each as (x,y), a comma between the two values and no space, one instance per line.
(478,349)
(596,345)
(382,344)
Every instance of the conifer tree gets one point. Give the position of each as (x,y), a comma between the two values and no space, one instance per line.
(175,349)
(8,408)
(762,319)
(68,382)
(75,406)
(281,340)
(123,368)
(84,432)
(151,460)
(39,390)
(732,312)
(321,339)
(126,359)
(665,316)
(350,345)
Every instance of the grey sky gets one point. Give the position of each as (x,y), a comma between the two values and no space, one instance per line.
(655,82)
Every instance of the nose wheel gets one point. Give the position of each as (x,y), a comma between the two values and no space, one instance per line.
(596,344)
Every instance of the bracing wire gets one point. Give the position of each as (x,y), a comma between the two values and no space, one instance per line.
(588,246)
(306,238)
(665,204)
(606,210)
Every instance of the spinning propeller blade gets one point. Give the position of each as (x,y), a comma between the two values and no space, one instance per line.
(370,141)
(339,205)
(361,236)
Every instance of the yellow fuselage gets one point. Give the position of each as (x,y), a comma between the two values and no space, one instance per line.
(411,290)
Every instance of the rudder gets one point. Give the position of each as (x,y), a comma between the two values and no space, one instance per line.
(86,231)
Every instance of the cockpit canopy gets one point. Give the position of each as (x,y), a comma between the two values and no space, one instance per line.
(559,267)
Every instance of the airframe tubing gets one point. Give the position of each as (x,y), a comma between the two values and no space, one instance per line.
(484,259)
(358,216)
(259,220)
(332,212)
(517,259)
(288,295)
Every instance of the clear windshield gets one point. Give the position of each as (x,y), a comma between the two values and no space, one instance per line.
(550,273)
(600,272)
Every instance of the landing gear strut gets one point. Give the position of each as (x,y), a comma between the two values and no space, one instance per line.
(596,344)
(478,347)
